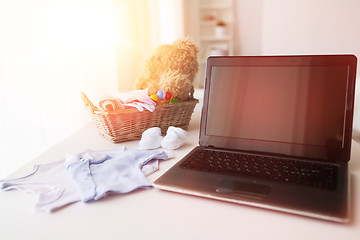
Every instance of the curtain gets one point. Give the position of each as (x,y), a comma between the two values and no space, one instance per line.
(146,24)
(51,50)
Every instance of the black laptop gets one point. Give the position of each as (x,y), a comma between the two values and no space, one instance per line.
(275,133)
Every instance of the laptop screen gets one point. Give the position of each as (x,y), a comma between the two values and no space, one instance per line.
(280,105)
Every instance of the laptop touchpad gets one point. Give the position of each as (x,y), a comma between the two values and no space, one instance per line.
(243,188)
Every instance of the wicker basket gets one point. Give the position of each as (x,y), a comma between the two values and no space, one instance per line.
(129,124)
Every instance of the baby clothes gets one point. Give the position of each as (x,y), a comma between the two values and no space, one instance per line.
(120,173)
(50,184)
(111,104)
(87,176)
(152,166)
(138,98)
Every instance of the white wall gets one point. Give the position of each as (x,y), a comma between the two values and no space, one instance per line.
(267,27)
(308,26)
(248,27)
(297,26)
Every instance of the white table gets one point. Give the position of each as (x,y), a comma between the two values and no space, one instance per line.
(156,214)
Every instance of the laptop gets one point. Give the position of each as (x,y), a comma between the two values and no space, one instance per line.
(275,133)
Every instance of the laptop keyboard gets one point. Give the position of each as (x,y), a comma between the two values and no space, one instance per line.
(319,175)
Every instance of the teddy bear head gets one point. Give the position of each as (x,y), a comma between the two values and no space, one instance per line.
(171,68)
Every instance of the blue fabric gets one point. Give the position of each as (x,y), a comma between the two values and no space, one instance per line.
(118,173)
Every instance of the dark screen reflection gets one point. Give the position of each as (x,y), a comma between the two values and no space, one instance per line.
(301,108)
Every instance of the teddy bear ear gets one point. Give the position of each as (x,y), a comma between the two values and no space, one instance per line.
(186,43)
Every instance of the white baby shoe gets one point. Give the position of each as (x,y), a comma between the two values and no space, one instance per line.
(175,138)
(151,138)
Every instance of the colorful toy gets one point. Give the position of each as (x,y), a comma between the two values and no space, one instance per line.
(160,94)
(154,97)
(168,96)
(165,97)
(174,100)
(171,68)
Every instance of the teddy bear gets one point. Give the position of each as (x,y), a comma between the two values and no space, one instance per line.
(171,68)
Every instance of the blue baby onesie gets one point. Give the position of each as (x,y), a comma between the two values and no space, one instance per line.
(49,183)
(86,176)
(97,176)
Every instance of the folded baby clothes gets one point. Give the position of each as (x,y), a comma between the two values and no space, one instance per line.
(135,96)
(138,99)
(175,137)
(120,173)
(151,138)
(111,104)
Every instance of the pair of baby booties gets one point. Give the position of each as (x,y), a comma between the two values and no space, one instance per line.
(151,138)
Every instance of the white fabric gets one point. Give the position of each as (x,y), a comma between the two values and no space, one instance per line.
(151,138)
(138,99)
(87,176)
(175,138)
(96,177)
(50,184)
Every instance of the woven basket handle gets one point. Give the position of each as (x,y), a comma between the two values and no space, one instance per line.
(88,103)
